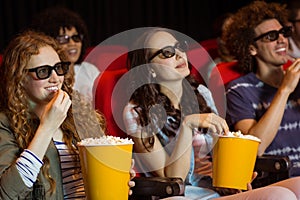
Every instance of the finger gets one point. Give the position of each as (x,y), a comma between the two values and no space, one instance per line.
(131,184)
(132,174)
(219,129)
(249,186)
(65,97)
(68,105)
(296,65)
(212,128)
(225,127)
(291,58)
(254,175)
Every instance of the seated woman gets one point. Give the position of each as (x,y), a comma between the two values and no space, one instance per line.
(41,121)
(170,118)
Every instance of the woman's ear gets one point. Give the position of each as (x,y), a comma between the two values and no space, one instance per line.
(252,50)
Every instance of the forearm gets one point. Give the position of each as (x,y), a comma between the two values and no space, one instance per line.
(180,158)
(29,167)
(266,128)
(40,142)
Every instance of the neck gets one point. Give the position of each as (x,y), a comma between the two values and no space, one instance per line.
(173,90)
(38,109)
(271,75)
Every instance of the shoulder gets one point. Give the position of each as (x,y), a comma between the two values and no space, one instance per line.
(5,130)
(129,110)
(87,67)
(243,81)
(3,120)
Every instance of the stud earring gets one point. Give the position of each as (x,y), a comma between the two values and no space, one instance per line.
(153,73)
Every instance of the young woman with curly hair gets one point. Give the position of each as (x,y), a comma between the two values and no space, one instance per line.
(171,119)
(265,102)
(41,121)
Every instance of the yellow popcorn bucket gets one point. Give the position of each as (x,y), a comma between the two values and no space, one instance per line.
(233,162)
(105,170)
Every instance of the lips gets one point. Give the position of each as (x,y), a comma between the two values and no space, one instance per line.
(52,88)
(71,51)
(182,65)
(283,49)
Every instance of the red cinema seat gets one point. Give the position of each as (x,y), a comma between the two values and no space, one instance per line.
(109,103)
(107,57)
(211,46)
(221,75)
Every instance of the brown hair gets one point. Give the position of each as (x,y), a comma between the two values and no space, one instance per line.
(240,34)
(146,93)
(14,100)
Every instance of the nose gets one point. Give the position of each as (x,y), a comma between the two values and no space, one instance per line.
(53,76)
(281,37)
(179,54)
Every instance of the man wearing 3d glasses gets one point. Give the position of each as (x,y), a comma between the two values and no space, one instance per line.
(265,102)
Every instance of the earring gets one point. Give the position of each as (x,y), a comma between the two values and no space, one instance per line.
(153,73)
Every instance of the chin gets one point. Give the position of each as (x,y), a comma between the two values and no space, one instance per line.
(73,59)
(186,73)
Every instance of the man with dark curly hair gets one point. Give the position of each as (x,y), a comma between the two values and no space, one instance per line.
(265,102)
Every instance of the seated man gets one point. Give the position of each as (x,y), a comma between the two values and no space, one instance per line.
(265,102)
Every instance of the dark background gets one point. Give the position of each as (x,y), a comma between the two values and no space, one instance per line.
(106,18)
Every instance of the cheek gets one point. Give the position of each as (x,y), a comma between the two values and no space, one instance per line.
(79,44)
(61,79)
(64,47)
(165,63)
(34,87)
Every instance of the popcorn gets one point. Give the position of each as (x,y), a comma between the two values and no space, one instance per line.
(105,140)
(240,135)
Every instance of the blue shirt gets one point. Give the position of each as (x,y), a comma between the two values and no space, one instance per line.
(249,98)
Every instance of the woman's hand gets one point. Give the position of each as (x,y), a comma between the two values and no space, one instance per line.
(211,121)
(132,175)
(249,186)
(56,110)
(229,191)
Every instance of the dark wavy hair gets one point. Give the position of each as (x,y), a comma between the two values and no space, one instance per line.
(52,19)
(240,34)
(153,106)
(14,100)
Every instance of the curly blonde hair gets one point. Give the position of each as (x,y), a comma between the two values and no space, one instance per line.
(14,100)
(240,34)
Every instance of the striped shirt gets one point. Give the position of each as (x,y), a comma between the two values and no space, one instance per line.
(71,173)
(28,165)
